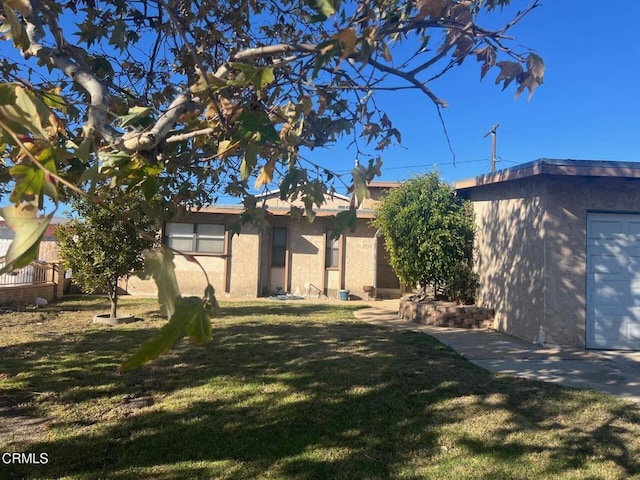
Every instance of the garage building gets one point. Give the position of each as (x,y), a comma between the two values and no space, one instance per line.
(558,251)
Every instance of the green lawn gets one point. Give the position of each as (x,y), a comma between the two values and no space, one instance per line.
(287,391)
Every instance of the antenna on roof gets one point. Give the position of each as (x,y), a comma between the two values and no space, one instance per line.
(492,132)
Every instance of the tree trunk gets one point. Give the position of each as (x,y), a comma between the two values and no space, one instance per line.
(113,296)
(422,291)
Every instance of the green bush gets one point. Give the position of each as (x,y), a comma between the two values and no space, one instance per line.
(429,233)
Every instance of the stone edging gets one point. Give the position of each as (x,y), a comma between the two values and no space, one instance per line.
(446,314)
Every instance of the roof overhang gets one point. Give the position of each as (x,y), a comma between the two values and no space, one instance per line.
(383,184)
(555,167)
(279,212)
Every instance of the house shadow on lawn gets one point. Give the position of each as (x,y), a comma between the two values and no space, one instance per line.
(298,399)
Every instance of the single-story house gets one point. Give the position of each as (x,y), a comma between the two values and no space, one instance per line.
(289,255)
(558,251)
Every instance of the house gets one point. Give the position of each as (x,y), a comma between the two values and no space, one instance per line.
(290,255)
(43,278)
(48,250)
(558,251)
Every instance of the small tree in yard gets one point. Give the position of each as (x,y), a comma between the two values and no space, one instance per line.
(100,248)
(428,233)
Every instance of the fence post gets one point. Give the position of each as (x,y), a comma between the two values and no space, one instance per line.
(57,270)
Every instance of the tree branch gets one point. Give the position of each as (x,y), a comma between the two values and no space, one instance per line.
(150,139)
(97,113)
(263,52)
(411,79)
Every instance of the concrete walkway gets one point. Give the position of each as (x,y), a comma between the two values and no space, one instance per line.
(614,372)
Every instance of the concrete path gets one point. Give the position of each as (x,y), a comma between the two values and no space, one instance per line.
(614,372)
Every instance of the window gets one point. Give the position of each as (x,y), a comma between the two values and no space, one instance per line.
(195,237)
(278,247)
(333,251)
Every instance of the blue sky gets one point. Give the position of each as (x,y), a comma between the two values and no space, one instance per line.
(587,108)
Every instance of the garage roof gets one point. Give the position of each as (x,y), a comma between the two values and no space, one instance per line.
(556,167)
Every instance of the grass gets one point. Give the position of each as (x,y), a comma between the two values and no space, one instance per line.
(288,390)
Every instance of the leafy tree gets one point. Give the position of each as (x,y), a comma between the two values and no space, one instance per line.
(184,100)
(100,248)
(428,233)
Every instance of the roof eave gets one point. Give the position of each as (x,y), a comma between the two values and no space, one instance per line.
(554,167)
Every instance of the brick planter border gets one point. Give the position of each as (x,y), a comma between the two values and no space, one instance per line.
(446,314)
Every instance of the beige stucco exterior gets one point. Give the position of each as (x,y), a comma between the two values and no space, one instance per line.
(510,254)
(531,242)
(245,268)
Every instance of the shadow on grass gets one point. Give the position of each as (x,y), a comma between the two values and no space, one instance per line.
(89,303)
(286,308)
(296,399)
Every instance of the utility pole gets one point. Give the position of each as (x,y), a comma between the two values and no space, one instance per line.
(492,132)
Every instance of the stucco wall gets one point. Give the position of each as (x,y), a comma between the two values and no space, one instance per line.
(306,254)
(244,263)
(510,254)
(531,250)
(190,277)
(568,202)
(247,272)
(359,261)
(239,269)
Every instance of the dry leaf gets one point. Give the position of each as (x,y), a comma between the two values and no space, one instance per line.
(430,8)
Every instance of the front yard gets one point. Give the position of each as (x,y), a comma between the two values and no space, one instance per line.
(290,390)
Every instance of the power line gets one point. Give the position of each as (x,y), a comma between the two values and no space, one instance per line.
(424,165)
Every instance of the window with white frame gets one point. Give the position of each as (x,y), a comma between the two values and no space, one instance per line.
(195,237)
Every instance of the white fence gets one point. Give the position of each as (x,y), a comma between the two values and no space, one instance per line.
(36,272)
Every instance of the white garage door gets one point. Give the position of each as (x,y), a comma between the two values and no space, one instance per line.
(613,281)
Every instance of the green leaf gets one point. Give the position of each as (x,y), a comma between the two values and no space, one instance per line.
(84,150)
(23,112)
(325,8)
(257,76)
(360,183)
(192,314)
(290,183)
(34,111)
(207,83)
(53,99)
(150,187)
(31,181)
(199,322)
(158,343)
(13,28)
(255,125)
(266,76)
(249,161)
(29,229)
(136,116)
(158,264)
(345,219)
